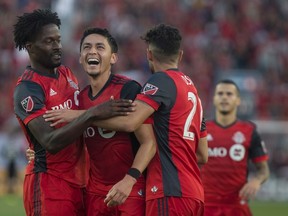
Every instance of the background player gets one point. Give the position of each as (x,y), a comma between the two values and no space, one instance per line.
(232,142)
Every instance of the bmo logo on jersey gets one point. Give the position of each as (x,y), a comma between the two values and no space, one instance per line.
(217,152)
(66,105)
(236,152)
(235,149)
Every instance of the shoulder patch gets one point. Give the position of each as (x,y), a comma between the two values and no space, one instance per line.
(27,104)
(149,89)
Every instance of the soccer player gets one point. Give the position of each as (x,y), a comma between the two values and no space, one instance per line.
(54,181)
(232,143)
(115,157)
(173,178)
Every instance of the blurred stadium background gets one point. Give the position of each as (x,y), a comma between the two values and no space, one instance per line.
(246,40)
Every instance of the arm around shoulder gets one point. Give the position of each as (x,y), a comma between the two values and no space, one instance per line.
(130,122)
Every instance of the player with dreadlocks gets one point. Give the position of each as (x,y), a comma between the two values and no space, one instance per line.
(55,179)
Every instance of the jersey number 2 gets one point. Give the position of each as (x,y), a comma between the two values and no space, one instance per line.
(188,134)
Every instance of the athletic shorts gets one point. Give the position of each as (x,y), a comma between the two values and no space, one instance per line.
(174,206)
(227,210)
(47,195)
(95,206)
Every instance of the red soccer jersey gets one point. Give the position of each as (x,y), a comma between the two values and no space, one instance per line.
(177,121)
(230,148)
(111,153)
(34,94)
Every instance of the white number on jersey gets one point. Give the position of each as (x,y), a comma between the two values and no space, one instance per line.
(188,134)
(76,93)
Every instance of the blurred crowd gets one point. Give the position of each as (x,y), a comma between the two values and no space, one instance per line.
(220,37)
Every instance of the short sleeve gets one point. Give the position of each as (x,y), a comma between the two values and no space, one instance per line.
(29,101)
(159,90)
(257,151)
(130,90)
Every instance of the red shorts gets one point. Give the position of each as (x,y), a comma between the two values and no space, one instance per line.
(48,195)
(95,206)
(174,206)
(227,210)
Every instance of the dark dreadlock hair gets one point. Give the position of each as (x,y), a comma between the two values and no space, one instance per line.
(29,24)
(166,39)
(105,33)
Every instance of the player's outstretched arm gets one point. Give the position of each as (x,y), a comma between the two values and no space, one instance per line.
(61,116)
(54,140)
(128,123)
(250,189)
(67,115)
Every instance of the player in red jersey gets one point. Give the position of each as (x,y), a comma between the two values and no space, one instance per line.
(112,154)
(232,143)
(173,178)
(54,181)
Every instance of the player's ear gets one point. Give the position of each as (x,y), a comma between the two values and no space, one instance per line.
(149,55)
(80,60)
(114,58)
(238,101)
(28,47)
(180,56)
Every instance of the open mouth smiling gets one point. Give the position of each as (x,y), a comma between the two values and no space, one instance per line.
(93,61)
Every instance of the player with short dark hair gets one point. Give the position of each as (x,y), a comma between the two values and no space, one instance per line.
(232,143)
(105,33)
(112,154)
(55,180)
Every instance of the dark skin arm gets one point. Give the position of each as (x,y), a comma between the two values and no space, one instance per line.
(54,140)
(121,123)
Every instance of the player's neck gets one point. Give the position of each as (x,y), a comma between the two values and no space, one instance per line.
(164,66)
(98,82)
(42,69)
(225,120)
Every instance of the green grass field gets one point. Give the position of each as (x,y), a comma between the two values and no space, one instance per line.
(11,205)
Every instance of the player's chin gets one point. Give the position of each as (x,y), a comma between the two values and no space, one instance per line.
(56,64)
(92,73)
